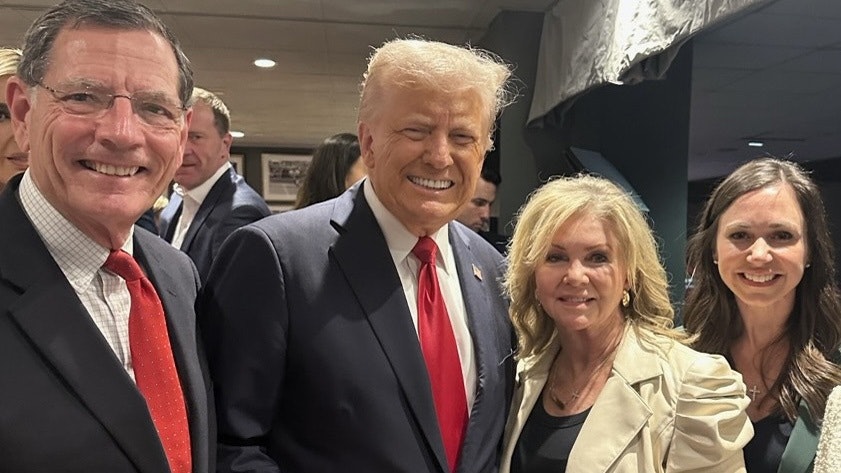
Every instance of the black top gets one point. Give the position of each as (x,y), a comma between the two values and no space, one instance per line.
(546,441)
(765,450)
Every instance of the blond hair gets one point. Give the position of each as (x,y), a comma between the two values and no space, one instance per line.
(221,114)
(9,60)
(547,209)
(419,63)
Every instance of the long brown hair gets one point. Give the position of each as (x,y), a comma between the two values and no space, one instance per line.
(814,326)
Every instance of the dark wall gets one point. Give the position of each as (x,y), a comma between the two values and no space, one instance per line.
(642,129)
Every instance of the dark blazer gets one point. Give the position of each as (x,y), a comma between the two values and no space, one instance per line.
(230,204)
(66,403)
(316,361)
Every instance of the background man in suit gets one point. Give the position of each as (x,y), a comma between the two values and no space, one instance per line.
(477,213)
(99,367)
(319,344)
(210,200)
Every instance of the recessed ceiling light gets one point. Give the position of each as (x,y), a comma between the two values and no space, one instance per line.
(237,134)
(756,144)
(264,63)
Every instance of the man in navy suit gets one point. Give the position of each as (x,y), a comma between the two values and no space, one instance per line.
(311,317)
(99,102)
(210,199)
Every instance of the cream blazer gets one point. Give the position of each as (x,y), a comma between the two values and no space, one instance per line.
(664,408)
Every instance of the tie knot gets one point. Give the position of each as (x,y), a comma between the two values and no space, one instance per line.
(425,250)
(122,264)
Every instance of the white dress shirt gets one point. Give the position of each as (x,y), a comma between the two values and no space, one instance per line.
(400,243)
(102,293)
(191,201)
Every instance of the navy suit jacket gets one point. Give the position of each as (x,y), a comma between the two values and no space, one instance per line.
(66,403)
(316,361)
(230,204)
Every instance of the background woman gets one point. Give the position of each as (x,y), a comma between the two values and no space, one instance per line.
(12,159)
(765,296)
(604,384)
(335,166)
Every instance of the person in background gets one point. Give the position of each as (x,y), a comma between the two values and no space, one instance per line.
(210,200)
(367,333)
(335,166)
(604,383)
(477,212)
(99,364)
(764,295)
(12,159)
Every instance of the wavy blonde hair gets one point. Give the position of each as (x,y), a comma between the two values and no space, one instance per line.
(547,209)
(9,60)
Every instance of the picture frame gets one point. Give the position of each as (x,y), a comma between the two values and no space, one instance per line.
(283,175)
(238,162)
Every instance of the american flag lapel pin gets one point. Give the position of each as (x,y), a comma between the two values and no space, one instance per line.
(477,272)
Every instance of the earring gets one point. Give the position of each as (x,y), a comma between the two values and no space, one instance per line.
(808,265)
(715,262)
(626,298)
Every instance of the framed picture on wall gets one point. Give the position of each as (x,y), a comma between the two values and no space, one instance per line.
(283,175)
(238,162)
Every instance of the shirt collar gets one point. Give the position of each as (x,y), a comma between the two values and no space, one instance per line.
(199,193)
(399,239)
(78,256)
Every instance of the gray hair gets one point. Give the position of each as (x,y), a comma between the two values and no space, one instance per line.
(119,14)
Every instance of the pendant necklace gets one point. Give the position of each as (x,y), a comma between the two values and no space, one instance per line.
(576,393)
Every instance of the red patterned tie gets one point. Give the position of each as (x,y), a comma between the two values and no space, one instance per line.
(154,366)
(440,352)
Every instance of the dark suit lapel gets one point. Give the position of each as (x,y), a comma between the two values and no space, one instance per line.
(363,256)
(476,295)
(58,327)
(799,454)
(169,217)
(206,207)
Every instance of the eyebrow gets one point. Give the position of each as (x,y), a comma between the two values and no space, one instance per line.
(774,225)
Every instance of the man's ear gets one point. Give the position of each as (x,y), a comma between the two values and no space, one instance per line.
(19,104)
(366,143)
(227,140)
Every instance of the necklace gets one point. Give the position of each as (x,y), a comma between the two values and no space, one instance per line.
(576,393)
(753,392)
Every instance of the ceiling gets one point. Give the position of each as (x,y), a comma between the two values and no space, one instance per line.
(774,74)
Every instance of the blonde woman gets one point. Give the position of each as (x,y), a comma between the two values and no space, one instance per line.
(12,159)
(604,384)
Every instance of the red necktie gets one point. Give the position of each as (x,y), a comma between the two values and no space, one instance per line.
(154,366)
(440,352)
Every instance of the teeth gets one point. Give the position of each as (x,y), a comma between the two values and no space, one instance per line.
(759,277)
(112,170)
(575,299)
(431,183)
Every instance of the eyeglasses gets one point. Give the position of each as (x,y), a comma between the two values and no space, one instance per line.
(152,108)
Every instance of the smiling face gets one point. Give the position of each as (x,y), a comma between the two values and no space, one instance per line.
(206,150)
(761,247)
(12,159)
(580,282)
(424,150)
(101,173)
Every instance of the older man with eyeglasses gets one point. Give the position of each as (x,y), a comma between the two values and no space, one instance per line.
(98,360)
